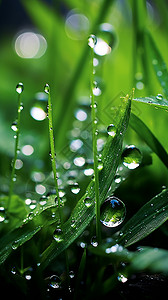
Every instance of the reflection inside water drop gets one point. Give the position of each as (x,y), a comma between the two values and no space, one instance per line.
(131,157)
(113,212)
(19,88)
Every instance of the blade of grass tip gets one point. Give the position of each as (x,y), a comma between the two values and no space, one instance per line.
(149,138)
(16,127)
(91,42)
(53,162)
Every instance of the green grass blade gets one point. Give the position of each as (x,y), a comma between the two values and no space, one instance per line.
(82,215)
(149,138)
(157,101)
(25,230)
(150,216)
(158,64)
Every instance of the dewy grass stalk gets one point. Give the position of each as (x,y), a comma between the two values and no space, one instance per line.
(91,42)
(54,168)
(16,127)
(52,153)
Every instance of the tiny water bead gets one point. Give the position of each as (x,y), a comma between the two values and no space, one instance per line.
(122,278)
(159,97)
(92,40)
(19,88)
(113,212)
(58,235)
(111,130)
(131,157)
(47,88)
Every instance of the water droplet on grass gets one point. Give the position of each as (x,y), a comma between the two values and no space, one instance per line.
(2,214)
(94,241)
(113,212)
(159,97)
(58,235)
(19,88)
(14,126)
(131,157)
(92,40)
(111,130)
(47,88)
(55,282)
(75,189)
(122,278)
(106,39)
(88,201)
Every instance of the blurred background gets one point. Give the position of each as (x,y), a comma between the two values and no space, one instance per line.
(47,42)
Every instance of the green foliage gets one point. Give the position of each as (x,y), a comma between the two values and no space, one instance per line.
(31,253)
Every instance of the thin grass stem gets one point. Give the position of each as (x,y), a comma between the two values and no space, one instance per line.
(94,145)
(19,90)
(54,168)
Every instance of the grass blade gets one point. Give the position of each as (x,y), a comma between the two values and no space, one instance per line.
(24,231)
(149,138)
(157,101)
(150,216)
(158,64)
(82,214)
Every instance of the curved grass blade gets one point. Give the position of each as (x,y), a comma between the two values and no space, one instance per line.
(149,138)
(26,229)
(158,64)
(150,216)
(157,101)
(82,214)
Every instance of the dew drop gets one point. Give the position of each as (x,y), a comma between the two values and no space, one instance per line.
(14,126)
(47,88)
(54,282)
(88,201)
(122,278)
(15,245)
(58,235)
(131,157)
(159,97)
(75,189)
(111,130)
(94,241)
(2,214)
(19,88)
(113,212)
(92,40)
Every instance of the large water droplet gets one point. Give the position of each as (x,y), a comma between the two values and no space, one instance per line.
(54,282)
(111,130)
(88,201)
(113,212)
(106,39)
(75,189)
(58,235)
(131,157)
(19,88)
(159,97)
(47,88)
(92,40)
